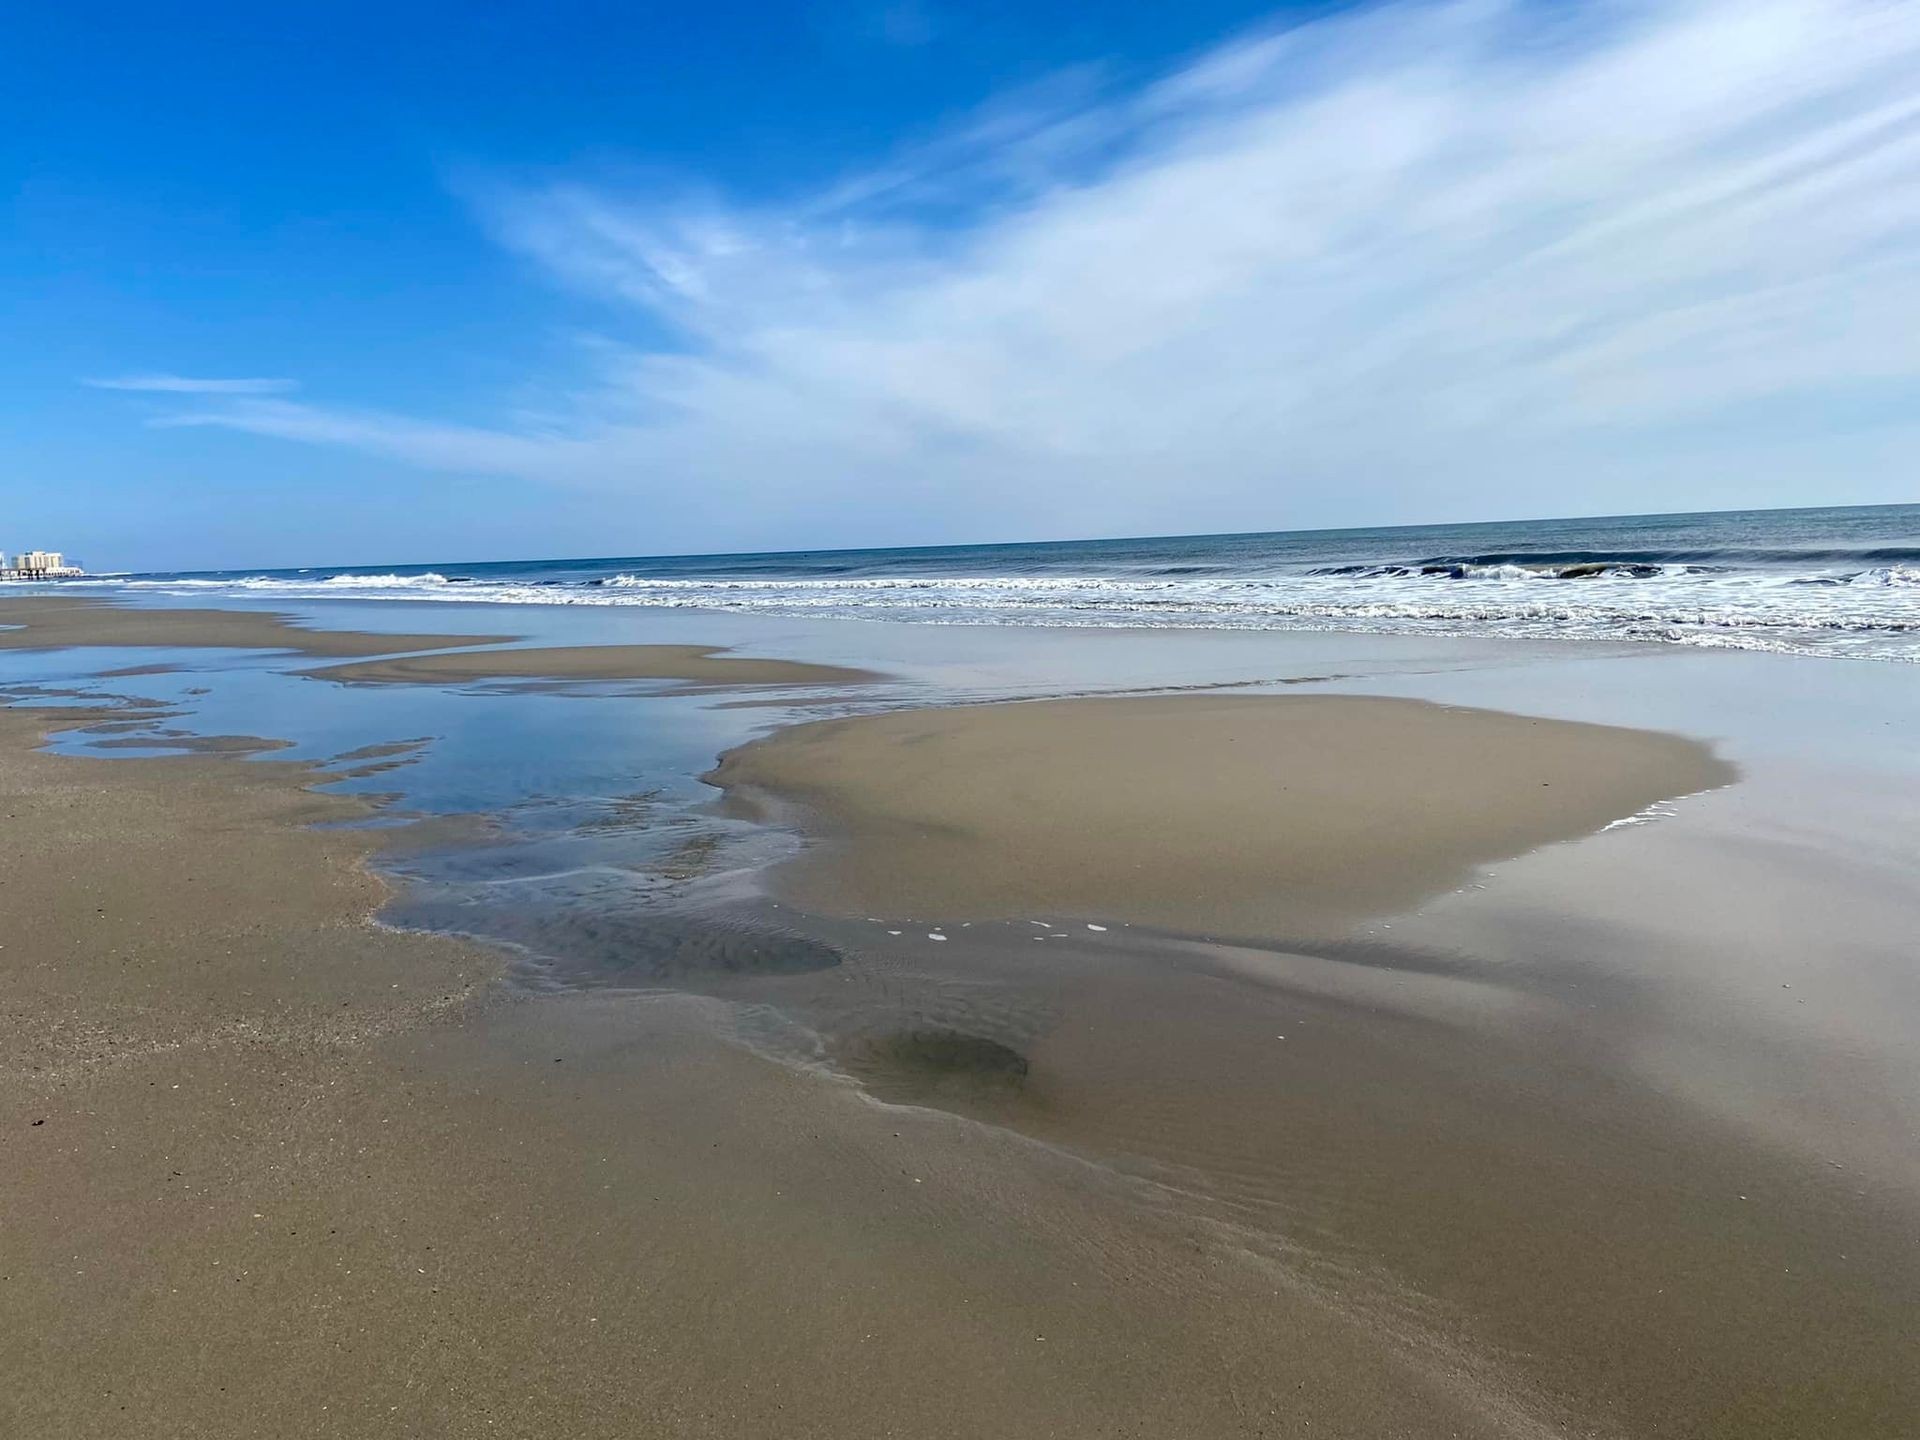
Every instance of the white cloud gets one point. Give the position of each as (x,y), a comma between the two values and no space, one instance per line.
(1415,262)
(188,385)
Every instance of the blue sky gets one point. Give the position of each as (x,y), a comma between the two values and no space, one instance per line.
(357,284)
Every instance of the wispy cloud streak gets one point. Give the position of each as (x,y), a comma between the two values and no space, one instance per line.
(189,385)
(1412,262)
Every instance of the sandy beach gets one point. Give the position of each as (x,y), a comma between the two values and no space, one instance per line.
(1384,1165)
(273,1171)
(55,622)
(1263,816)
(695,664)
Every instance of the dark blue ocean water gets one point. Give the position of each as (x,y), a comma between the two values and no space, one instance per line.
(1827,581)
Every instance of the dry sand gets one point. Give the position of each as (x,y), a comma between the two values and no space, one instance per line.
(696,664)
(57,621)
(1242,815)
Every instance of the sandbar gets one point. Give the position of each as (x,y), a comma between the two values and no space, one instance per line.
(695,664)
(1232,815)
(56,621)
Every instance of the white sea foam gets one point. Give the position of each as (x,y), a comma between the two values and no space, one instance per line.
(383,582)
(1659,810)
(1871,612)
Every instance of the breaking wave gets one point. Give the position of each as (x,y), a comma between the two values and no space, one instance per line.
(1824,582)
(1873,613)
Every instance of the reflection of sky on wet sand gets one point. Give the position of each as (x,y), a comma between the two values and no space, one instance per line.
(1747,951)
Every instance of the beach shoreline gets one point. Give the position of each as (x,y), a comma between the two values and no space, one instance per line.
(1356,1179)
(259,1194)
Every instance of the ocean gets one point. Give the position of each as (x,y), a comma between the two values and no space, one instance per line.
(1834,581)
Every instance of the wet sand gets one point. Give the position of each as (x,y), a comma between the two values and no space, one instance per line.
(294,1173)
(56,622)
(1453,1147)
(696,664)
(1238,815)
(272,1170)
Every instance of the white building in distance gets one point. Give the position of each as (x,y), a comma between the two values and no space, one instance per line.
(38,565)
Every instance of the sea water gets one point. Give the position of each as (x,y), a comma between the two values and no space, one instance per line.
(1838,582)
